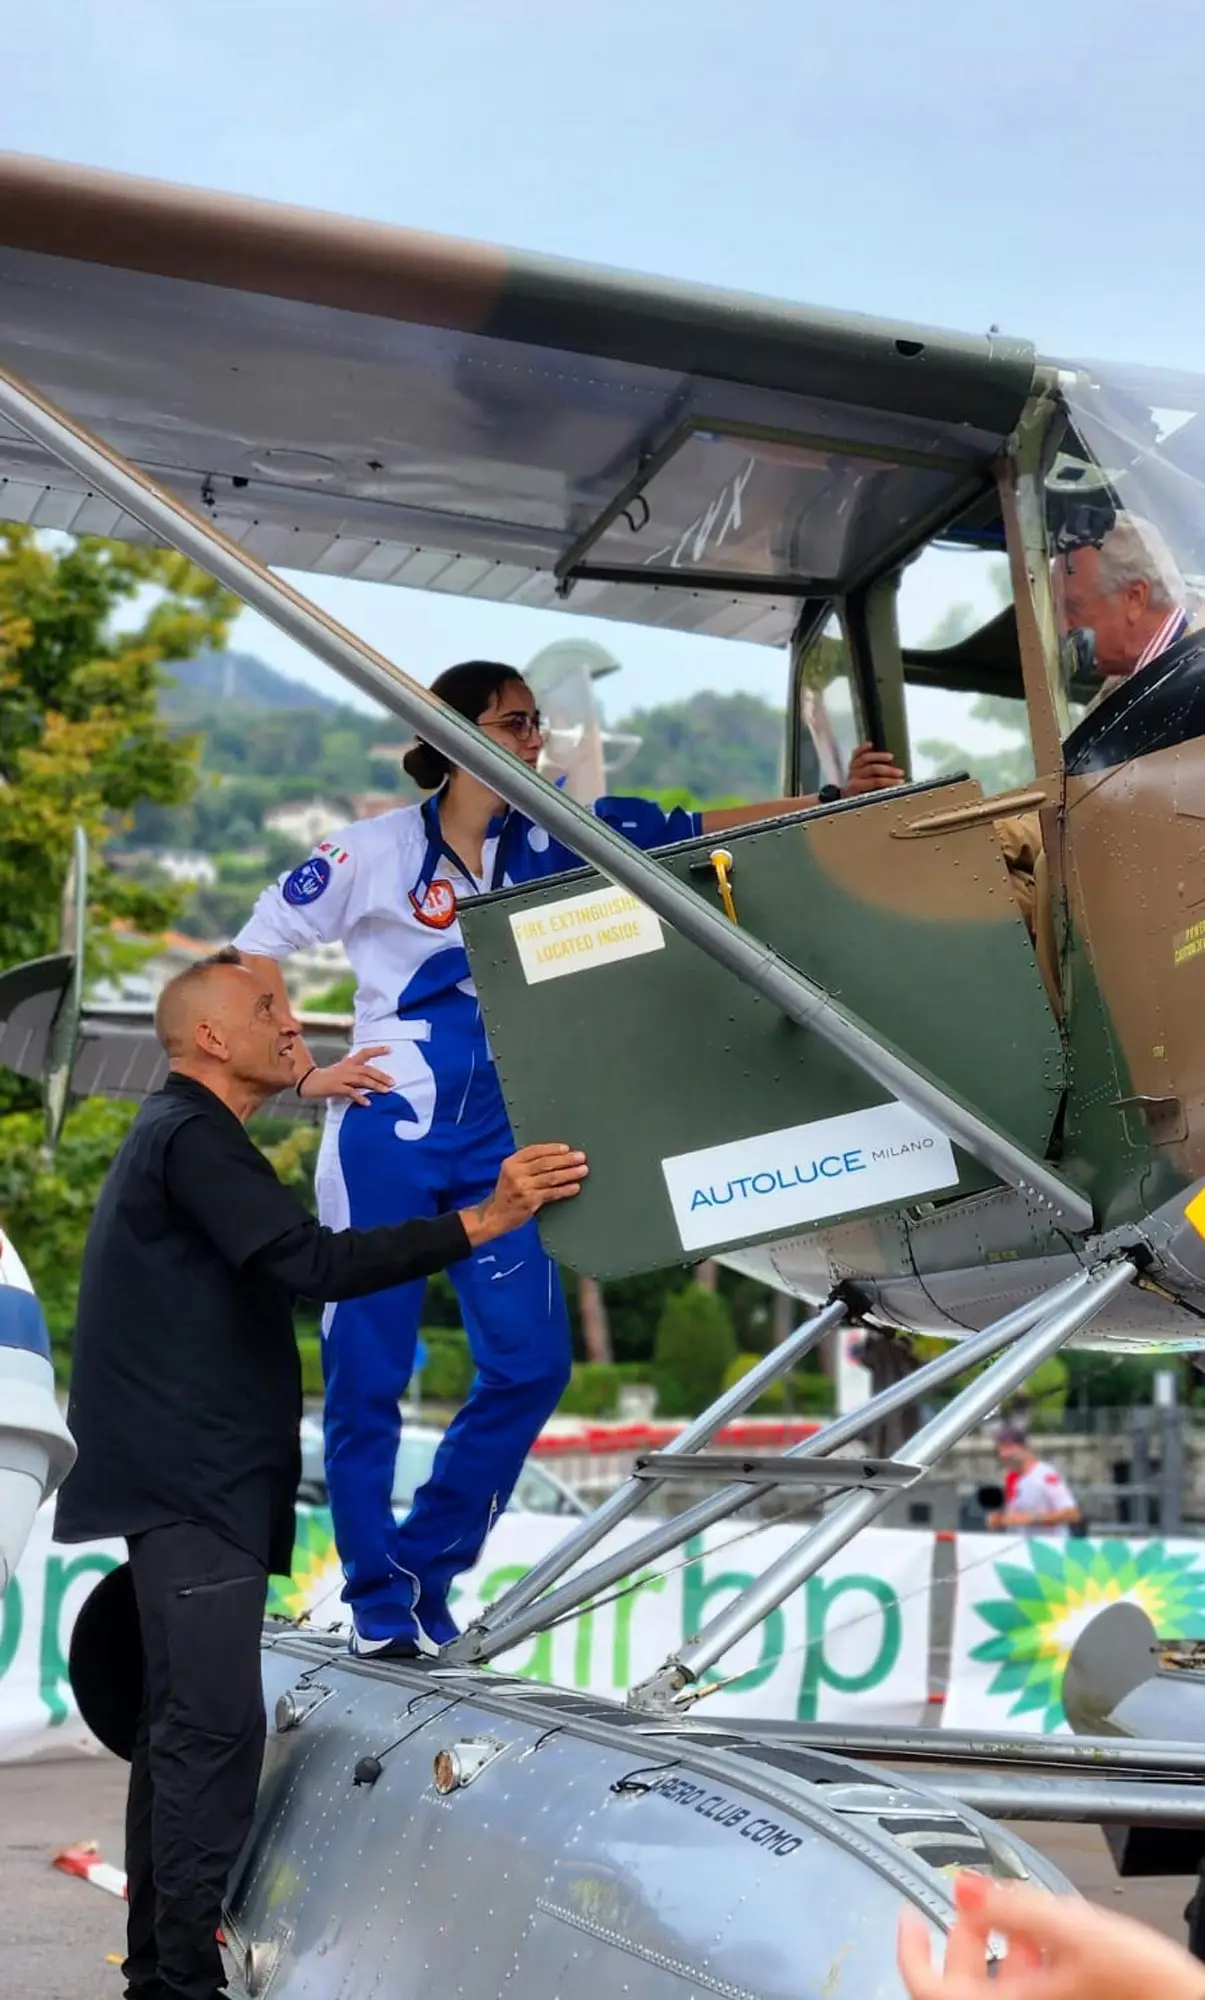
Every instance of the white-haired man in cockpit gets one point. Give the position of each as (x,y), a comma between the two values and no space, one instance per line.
(1125,602)
(1121,605)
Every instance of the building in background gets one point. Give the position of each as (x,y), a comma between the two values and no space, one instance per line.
(306,822)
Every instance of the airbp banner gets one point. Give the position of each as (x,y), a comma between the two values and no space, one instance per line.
(852,1643)
(1022,1602)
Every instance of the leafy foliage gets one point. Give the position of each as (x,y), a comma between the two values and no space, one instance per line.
(718,747)
(771,1402)
(81,738)
(999,770)
(1042,1397)
(448,1374)
(253,761)
(695,1344)
(46,1209)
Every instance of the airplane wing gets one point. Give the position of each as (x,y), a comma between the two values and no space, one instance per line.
(116,1053)
(371,402)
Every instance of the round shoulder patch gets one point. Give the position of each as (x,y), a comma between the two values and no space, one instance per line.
(307,882)
(537,840)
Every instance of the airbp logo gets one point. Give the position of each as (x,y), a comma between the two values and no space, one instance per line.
(1048,1600)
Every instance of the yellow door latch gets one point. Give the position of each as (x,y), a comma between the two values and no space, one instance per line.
(721,860)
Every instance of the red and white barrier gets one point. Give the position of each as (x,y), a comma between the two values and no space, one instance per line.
(83,1861)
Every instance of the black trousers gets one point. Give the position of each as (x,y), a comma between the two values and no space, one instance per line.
(197,1757)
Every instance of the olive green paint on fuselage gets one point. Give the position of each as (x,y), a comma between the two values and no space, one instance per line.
(667,1053)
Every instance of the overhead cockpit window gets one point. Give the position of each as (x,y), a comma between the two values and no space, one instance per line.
(726,503)
(1125,512)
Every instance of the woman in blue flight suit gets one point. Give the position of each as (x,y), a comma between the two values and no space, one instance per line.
(426,1130)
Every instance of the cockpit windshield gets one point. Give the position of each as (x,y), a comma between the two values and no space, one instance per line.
(1125,509)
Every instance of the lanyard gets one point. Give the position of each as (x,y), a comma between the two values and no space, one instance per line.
(433,898)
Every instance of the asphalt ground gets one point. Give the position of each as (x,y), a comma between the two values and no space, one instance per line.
(58,1931)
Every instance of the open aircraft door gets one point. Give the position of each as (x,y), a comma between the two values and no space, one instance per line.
(710,1119)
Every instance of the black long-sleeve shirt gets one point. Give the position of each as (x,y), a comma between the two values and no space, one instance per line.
(186,1386)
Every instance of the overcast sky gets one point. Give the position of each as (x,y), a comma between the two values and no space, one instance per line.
(1034,167)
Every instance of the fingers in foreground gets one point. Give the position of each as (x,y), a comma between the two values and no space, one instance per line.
(914,1956)
(964,1975)
(966,1952)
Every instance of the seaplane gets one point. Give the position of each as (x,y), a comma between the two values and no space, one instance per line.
(915,1067)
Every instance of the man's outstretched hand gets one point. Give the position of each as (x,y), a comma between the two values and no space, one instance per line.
(529,1178)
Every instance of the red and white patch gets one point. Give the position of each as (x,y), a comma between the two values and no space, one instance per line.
(438,907)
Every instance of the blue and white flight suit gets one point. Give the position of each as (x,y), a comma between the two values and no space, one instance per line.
(388,887)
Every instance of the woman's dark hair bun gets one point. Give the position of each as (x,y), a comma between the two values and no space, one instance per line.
(469,688)
(427,766)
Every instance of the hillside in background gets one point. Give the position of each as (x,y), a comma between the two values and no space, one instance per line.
(214,681)
(268,742)
(714,746)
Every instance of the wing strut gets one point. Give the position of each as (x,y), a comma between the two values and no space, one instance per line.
(676,1683)
(517,1615)
(752,961)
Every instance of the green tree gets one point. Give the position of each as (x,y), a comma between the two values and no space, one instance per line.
(999,770)
(695,1345)
(81,739)
(713,747)
(46,1208)
(337,999)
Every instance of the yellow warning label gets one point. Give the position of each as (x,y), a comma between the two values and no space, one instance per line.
(1195,1212)
(582,931)
(1188,944)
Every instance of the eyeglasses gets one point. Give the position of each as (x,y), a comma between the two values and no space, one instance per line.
(519,724)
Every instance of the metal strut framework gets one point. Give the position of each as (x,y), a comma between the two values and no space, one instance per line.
(682,1672)
(525,1610)
(752,961)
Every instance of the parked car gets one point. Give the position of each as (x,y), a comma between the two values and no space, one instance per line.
(537,1490)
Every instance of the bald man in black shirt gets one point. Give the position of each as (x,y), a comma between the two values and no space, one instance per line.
(185,1406)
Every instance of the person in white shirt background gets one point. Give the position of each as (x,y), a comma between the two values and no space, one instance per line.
(1036,1496)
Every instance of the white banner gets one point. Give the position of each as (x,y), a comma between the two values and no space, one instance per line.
(852,1644)
(37,1612)
(1022,1602)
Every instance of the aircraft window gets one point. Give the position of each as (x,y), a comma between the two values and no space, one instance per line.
(1125,513)
(725,502)
(829,730)
(947,597)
